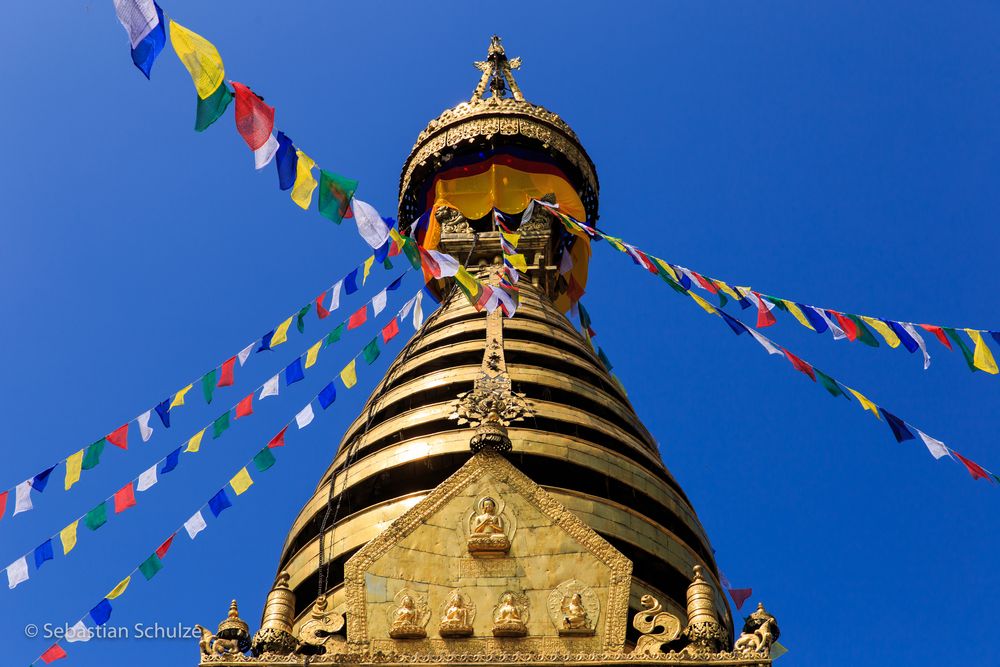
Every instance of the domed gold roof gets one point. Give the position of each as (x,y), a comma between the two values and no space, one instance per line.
(495,119)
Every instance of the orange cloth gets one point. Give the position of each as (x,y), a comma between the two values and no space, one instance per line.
(507,189)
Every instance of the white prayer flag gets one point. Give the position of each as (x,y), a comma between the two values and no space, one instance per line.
(934,446)
(447,265)
(79,633)
(263,155)
(195,524)
(270,388)
(138,17)
(837,332)
(147,478)
(335,296)
(305,417)
(23,497)
(145,430)
(910,329)
(405,310)
(529,210)
(245,353)
(378,302)
(418,312)
(764,342)
(565,262)
(17,572)
(371,226)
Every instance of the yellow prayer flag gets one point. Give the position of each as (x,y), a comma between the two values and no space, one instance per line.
(727,289)
(982,357)
(281,333)
(466,279)
(798,314)
(119,589)
(312,353)
(615,243)
(195,443)
(305,183)
(706,306)
(368,268)
(865,403)
(517,261)
(73,466)
(669,269)
(179,397)
(878,325)
(68,537)
(200,57)
(511,238)
(349,376)
(241,482)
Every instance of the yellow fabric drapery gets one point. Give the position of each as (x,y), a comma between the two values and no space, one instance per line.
(507,189)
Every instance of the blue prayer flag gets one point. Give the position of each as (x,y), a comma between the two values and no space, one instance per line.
(171,461)
(899,429)
(287,161)
(219,502)
(293,372)
(394,285)
(41,479)
(163,411)
(904,336)
(351,282)
(265,342)
(43,552)
(815,319)
(996,336)
(101,613)
(146,51)
(328,396)
(383,251)
(733,323)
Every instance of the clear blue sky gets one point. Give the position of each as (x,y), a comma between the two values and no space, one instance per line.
(843,154)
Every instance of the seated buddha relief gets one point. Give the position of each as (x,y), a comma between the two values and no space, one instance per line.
(510,617)
(459,612)
(408,618)
(488,530)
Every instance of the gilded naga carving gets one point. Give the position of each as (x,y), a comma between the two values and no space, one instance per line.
(488,530)
(759,632)
(408,618)
(316,634)
(510,616)
(647,621)
(458,615)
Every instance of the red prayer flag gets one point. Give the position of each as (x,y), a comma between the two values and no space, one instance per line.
(254,119)
(390,330)
(765,317)
(3,503)
(226,376)
(939,333)
(245,407)
(974,468)
(394,249)
(358,318)
(53,653)
(648,264)
(278,440)
(800,365)
(740,595)
(706,283)
(119,438)
(161,550)
(124,498)
(848,325)
(321,312)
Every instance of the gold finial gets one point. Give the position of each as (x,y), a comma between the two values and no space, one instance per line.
(497,73)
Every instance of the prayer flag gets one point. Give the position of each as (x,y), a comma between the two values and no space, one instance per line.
(848,326)
(79,633)
(208,385)
(966,352)
(934,446)
(53,653)
(147,478)
(265,341)
(281,333)
(226,377)
(764,342)
(335,194)
(145,431)
(263,459)
(334,335)
(378,302)
(884,330)
(245,407)
(351,282)
(800,365)
(865,403)
(92,455)
(439,264)
(371,226)
(305,182)
(199,57)
(830,384)
(305,416)
(371,351)
(390,330)
(263,155)
(919,340)
(837,332)
(418,311)
(211,108)
(22,497)
(983,358)
(864,334)
(740,595)
(300,318)
(349,375)
(194,444)
(321,312)
(335,295)
(328,395)
(68,537)
(293,372)
(101,613)
(270,388)
(359,317)
(3,502)
(17,572)
(124,498)
(286,162)
(974,468)
(41,480)
(170,462)
(241,481)
(705,305)
(161,550)
(904,335)
(96,517)
(43,552)
(313,353)
(219,502)
(899,428)
(938,333)
(195,525)
(220,425)
(816,320)
(777,650)
(179,396)
(799,315)
(278,440)
(119,437)
(150,566)
(163,412)
(119,588)
(135,16)
(765,317)
(254,118)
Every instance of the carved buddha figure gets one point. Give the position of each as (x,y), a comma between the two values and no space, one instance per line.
(487,530)
(406,620)
(457,619)
(508,619)
(575,614)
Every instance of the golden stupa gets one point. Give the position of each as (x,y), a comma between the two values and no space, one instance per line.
(497,500)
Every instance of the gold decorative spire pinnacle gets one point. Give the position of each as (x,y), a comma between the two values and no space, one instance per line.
(497,73)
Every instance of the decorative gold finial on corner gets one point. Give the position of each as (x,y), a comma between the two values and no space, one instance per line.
(497,73)
(703,630)
(275,634)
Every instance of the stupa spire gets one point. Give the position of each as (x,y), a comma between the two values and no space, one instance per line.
(497,73)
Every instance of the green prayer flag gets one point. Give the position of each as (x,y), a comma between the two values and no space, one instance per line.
(778,302)
(411,252)
(334,335)
(723,300)
(220,424)
(865,334)
(93,454)
(335,194)
(386,263)
(371,351)
(96,517)
(299,319)
(208,385)
(264,459)
(212,107)
(151,566)
(829,383)
(965,348)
